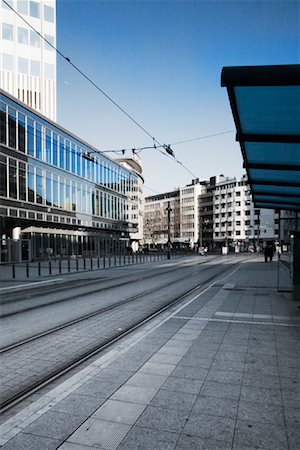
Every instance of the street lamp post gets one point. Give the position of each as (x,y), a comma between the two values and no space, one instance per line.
(169,209)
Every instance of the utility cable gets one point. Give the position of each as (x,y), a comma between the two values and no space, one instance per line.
(101,91)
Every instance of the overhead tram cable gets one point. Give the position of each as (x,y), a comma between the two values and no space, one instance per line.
(168,150)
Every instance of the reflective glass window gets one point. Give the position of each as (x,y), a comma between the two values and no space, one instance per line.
(49,39)
(78,198)
(30,185)
(38,141)
(22,7)
(30,137)
(68,155)
(55,149)
(84,199)
(49,13)
(62,196)
(35,40)
(55,190)
(48,146)
(2,123)
(35,68)
(78,151)
(34,9)
(68,195)
(12,129)
(73,158)
(49,71)
(7,31)
(22,36)
(3,176)
(39,186)
(23,65)
(62,152)
(48,189)
(21,132)
(73,196)
(22,181)
(8,62)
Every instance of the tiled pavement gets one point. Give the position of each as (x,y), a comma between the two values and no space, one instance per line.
(221,372)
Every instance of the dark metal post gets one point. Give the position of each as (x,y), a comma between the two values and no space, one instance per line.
(27,270)
(69,265)
(50,268)
(13,271)
(169,209)
(39,268)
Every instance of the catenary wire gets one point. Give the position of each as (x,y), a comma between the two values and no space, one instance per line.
(100,90)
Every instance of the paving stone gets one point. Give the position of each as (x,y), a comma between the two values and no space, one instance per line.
(262,381)
(231,356)
(54,425)
(221,364)
(157,368)
(176,384)
(165,359)
(140,438)
(261,412)
(260,435)
(135,394)
(70,446)
(292,415)
(215,406)
(117,411)
(293,432)
(100,433)
(162,419)
(261,395)
(79,405)
(98,388)
(210,427)
(23,441)
(146,380)
(196,443)
(192,361)
(193,373)
(225,376)
(221,390)
(180,402)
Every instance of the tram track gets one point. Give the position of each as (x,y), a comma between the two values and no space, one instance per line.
(106,342)
(88,291)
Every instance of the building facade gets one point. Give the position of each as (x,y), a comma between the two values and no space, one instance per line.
(157,228)
(27,62)
(58,195)
(135,207)
(214,214)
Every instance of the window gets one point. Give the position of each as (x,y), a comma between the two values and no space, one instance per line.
(30,180)
(35,68)
(7,31)
(30,137)
(22,6)
(21,132)
(247,213)
(34,9)
(237,203)
(12,178)
(22,181)
(23,65)
(238,223)
(49,71)
(247,222)
(39,186)
(12,128)
(2,123)
(3,176)
(238,193)
(22,36)
(49,14)
(35,40)
(238,233)
(50,39)
(8,62)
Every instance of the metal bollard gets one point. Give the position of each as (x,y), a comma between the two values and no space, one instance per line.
(59,266)
(103,262)
(27,270)
(50,268)
(69,265)
(119,260)
(76,264)
(91,263)
(109,261)
(13,271)
(84,263)
(39,269)
(115,260)
(98,263)
(124,259)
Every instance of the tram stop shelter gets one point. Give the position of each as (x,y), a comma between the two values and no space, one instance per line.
(265,103)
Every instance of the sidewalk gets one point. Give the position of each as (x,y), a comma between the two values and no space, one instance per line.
(220,371)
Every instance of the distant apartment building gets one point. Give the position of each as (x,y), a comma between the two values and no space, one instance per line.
(27,62)
(156,219)
(237,224)
(213,213)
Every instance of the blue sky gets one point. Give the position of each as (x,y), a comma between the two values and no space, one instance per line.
(162,61)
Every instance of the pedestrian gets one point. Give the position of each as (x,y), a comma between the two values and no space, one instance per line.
(269,252)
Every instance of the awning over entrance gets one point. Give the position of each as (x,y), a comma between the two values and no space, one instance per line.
(265,102)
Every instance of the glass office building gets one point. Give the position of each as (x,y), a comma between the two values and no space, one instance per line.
(57,193)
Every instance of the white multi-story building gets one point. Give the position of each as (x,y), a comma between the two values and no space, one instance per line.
(189,223)
(236,222)
(27,62)
(135,207)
